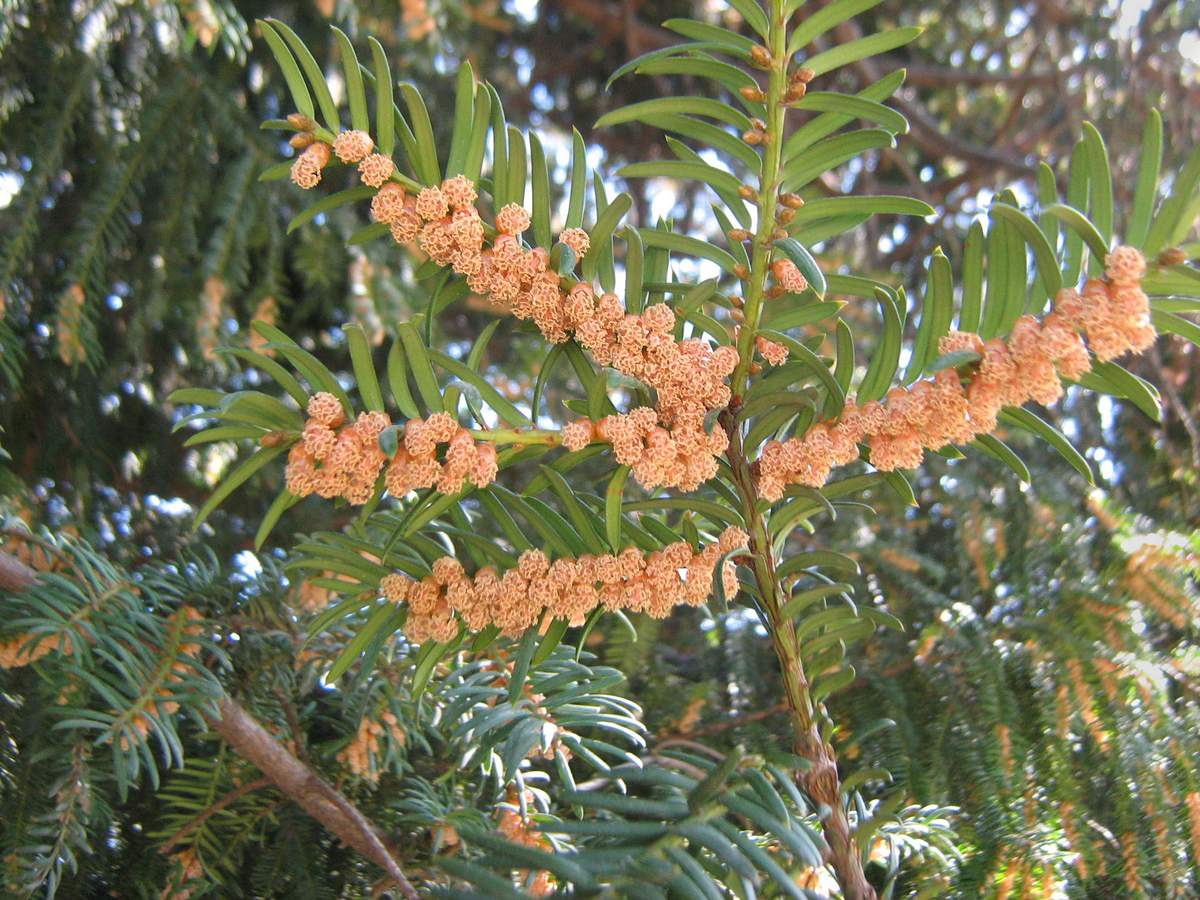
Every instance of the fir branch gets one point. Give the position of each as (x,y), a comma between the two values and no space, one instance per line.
(23,223)
(105,225)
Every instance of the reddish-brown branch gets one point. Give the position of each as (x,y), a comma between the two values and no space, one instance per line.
(614,21)
(306,788)
(279,767)
(926,132)
(926,75)
(1056,12)
(15,575)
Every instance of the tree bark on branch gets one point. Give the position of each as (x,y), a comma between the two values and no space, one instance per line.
(293,777)
(15,575)
(306,788)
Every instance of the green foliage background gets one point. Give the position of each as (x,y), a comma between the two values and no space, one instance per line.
(130,152)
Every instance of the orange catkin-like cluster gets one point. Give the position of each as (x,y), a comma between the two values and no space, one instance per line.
(681,456)
(336,459)
(566,588)
(416,465)
(351,147)
(1113,313)
(516,828)
(23,651)
(688,376)
(362,754)
(333,458)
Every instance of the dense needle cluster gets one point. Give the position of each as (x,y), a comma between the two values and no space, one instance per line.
(1113,313)
(566,588)
(1151,577)
(191,624)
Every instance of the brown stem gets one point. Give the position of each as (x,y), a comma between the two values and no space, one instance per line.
(232,797)
(15,576)
(306,788)
(821,782)
(293,720)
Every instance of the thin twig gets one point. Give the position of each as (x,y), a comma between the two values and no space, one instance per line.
(210,811)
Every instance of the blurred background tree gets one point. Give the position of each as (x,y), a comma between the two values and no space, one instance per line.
(136,239)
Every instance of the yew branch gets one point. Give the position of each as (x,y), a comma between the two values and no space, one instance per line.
(306,788)
(821,781)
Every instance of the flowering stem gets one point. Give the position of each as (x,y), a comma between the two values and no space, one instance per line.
(821,781)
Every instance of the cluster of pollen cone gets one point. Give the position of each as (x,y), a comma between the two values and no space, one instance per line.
(567,588)
(667,445)
(1112,314)
(688,376)
(337,457)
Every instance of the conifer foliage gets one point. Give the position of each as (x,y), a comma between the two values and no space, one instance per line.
(420,676)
